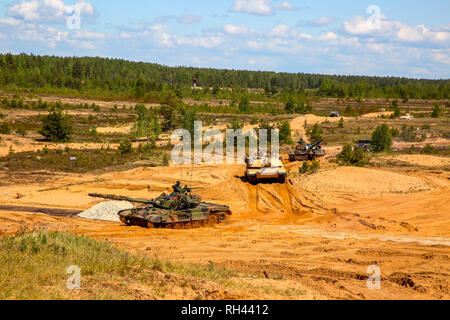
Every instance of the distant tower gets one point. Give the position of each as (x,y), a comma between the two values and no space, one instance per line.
(194,81)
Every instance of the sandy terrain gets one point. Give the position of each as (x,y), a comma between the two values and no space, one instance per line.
(317,234)
(298,124)
(364,181)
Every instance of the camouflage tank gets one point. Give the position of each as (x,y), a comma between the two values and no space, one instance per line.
(307,152)
(179,210)
(265,167)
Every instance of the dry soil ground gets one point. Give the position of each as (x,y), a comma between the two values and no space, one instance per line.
(318,233)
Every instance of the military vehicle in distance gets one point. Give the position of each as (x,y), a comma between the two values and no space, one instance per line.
(265,167)
(179,210)
(364,144)
(334,114)
(307,152)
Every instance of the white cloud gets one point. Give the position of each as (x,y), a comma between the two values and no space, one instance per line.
(378,47)
(159,27)
(282,31)
(159,34)
(255,44)
(358,26)
(319,22)
(11,22)
(390,30)
(235,30)
(260,7)
(441,56)
(189,19)
(328,36)
(55,11)
(85,34)
(325,20)
(205,42)
(285,6)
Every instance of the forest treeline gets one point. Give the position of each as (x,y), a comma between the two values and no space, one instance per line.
(150,82)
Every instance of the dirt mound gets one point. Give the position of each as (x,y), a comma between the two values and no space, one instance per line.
(106,211)
(298,124)
(376,114)
(361,181)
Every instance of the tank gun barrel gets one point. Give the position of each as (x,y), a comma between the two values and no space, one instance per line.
(312,146)
(120,198)
(317,143)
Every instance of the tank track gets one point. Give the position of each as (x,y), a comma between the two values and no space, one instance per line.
(212,221)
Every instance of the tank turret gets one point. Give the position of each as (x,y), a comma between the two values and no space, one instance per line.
(305,152)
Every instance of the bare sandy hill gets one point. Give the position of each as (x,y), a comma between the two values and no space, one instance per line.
(298,124)
(357,182)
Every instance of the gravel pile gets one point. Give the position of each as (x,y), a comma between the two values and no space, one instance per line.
(106,211)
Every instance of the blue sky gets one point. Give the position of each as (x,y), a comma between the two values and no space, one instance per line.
(395,38)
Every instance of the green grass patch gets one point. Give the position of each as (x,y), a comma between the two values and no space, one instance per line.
(34,266)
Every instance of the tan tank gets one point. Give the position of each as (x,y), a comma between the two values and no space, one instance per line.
(265,168)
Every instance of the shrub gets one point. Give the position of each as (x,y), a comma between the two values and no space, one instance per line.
(290,105)
(22,131)
(5,128)
(429,149)
(436,111)
(381,139)
(349,110)
(244,105)
(315,133)
(341,123)
(165,160)
(254,121)
(284,128)
(264,125)
(126,146)
(147,124)
(236,124)
(56,126)
(395,132)
(352,156)
(169,119)
(396,109)
(309,168)
(408,134)
(93,133)
(95,107)
(189,118)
